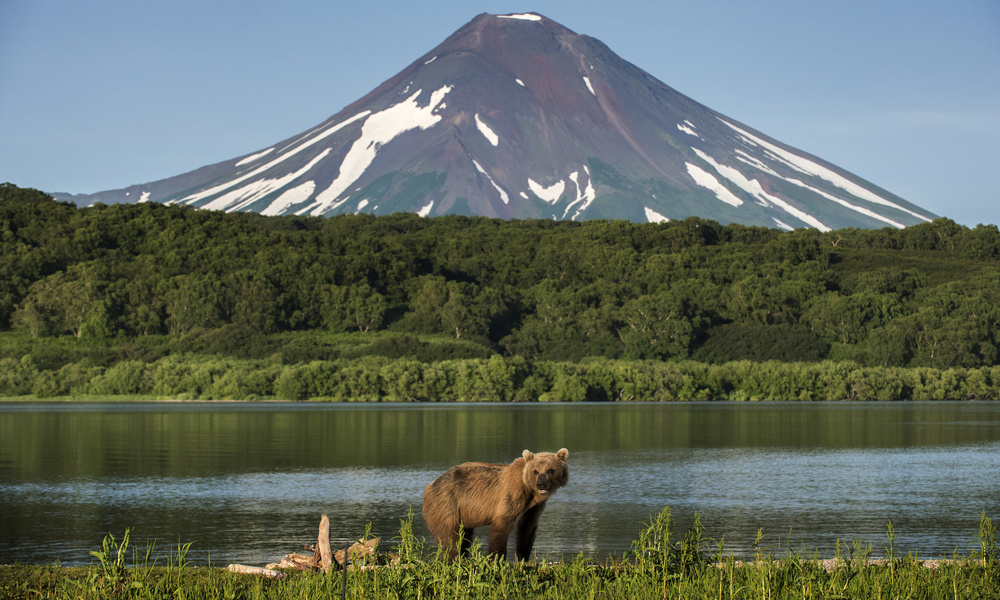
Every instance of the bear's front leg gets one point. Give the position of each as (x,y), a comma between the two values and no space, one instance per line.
(527,527)
(468,534)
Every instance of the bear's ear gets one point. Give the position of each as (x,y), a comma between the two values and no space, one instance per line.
(563,454)
(527,455)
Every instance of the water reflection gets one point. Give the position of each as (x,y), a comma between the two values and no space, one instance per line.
(247,483)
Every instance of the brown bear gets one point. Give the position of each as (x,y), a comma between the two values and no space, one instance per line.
(476,494)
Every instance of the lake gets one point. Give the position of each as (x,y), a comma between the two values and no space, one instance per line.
(247,482)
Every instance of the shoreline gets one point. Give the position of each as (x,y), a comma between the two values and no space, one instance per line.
(148,399)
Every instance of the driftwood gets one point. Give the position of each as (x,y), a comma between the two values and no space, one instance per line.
(299,562)
(322,556)
(255,571)
(358,551)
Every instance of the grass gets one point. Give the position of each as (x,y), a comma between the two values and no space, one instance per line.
(87,399)
(658,565)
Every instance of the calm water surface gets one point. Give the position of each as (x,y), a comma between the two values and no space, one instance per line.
(248,482)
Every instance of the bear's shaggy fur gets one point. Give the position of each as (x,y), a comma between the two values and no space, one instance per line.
(476,494)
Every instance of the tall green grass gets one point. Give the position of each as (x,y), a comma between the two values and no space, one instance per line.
(659,564)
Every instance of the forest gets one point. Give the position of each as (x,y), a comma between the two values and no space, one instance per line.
(168,301)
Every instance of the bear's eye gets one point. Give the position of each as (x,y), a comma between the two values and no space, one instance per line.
(536,471)
(551,471)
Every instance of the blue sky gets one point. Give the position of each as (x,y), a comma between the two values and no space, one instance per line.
(101,95)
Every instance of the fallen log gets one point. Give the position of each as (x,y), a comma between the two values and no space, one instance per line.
(358,551)
(299,562)
(255,571)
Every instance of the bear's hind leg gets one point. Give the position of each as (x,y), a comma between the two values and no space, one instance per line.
(447,537)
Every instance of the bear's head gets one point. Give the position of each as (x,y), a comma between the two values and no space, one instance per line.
(545,472)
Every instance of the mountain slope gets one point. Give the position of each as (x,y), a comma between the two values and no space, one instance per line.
(516,116)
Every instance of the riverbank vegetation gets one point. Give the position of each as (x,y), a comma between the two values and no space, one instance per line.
(376,378)
(175,302)
(660,564)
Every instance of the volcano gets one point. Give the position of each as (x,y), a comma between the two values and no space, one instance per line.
(516,116)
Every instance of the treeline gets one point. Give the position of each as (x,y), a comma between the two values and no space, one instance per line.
(543,291)
(495,379)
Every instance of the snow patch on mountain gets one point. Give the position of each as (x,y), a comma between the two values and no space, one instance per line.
(379,129)
(688,130)
(801,215)
(519,82)
(522,16)
(654,217)
(549,194)
(753,187)
(289,198)
(254,157)
(503,193)
(144,198)
(488,133)
(708,181)
(750,186)
(276,161)
(861,209)
(426,209)
(243,197)
(811,168)
(753,162)
(589,86)
(304,136)
(586,194)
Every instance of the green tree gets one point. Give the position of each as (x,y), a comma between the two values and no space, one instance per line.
(356,307)
(982,243)
(62,302)
(850,319)
(656,326)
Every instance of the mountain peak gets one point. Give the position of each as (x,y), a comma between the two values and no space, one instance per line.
(517,116)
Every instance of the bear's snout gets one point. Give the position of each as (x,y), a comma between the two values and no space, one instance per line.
(543,482)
